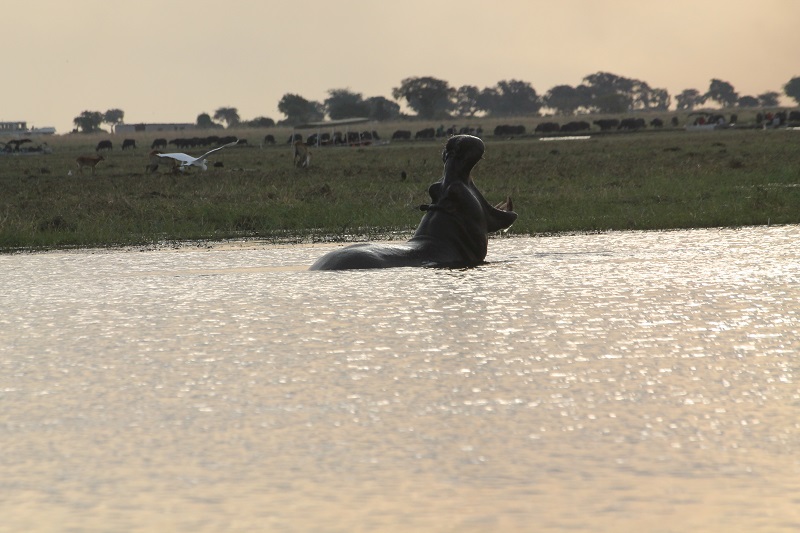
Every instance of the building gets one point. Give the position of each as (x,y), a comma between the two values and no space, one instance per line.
(21,128)
(13,127)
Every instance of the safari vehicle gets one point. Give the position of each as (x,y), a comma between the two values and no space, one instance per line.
(707,121)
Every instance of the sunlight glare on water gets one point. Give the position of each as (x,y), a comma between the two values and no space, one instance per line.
(612,382)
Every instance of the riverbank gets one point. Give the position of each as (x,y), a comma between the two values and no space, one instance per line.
(669,180)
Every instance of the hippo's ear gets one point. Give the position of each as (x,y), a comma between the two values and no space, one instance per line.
(501,216)
(435,191)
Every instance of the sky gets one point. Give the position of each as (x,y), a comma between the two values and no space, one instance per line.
(171,60)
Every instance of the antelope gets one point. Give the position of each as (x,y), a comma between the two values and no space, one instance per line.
(88,161)
(302,155)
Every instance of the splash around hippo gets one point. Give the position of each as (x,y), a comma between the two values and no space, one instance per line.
(452,233)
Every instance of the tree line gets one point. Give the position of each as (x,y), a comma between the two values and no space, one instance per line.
(434,99)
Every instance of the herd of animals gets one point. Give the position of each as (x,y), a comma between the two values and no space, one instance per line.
(456,223)
(453,231)
(302,153)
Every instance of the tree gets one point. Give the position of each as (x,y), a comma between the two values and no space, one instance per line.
(646,97)
(660,99)
(204,121)
(514,97)
(606,82)
(565,99)
(747,101)
(381,108)
(260,122)
(721,92)
(112,117)
(641,95)
(487,98)
(610,93)
(689,99)
(88,121)
(299,110)
(343,103)
(611,103)
(228,115)
(466,101)
(768,99)
(792,89)
(429,97)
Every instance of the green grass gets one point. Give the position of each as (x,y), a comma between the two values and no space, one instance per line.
(663,181)
(646,180)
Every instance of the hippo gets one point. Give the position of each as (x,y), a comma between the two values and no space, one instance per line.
(454,230)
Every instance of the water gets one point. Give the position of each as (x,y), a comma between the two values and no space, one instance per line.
(615,382)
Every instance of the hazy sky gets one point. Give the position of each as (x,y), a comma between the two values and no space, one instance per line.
(170,60)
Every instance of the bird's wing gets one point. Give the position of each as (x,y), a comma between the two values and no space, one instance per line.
(183,158)
(234,143)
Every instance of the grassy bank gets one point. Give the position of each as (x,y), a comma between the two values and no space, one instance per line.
(630,181)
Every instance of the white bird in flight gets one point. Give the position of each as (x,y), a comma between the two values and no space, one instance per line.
(189,161)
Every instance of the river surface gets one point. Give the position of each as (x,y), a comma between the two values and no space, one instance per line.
(613,382)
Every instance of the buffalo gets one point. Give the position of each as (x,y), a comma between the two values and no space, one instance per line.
(547,127)
(632,124)
(14,144)
(104,145)
(181,143)
(401,135)
(506,130)
(128,143)
(607,124)
(468,130)
(574,126)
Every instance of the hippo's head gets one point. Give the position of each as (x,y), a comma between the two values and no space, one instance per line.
(459,213)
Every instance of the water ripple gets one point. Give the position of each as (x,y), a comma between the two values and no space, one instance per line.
(590,369)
